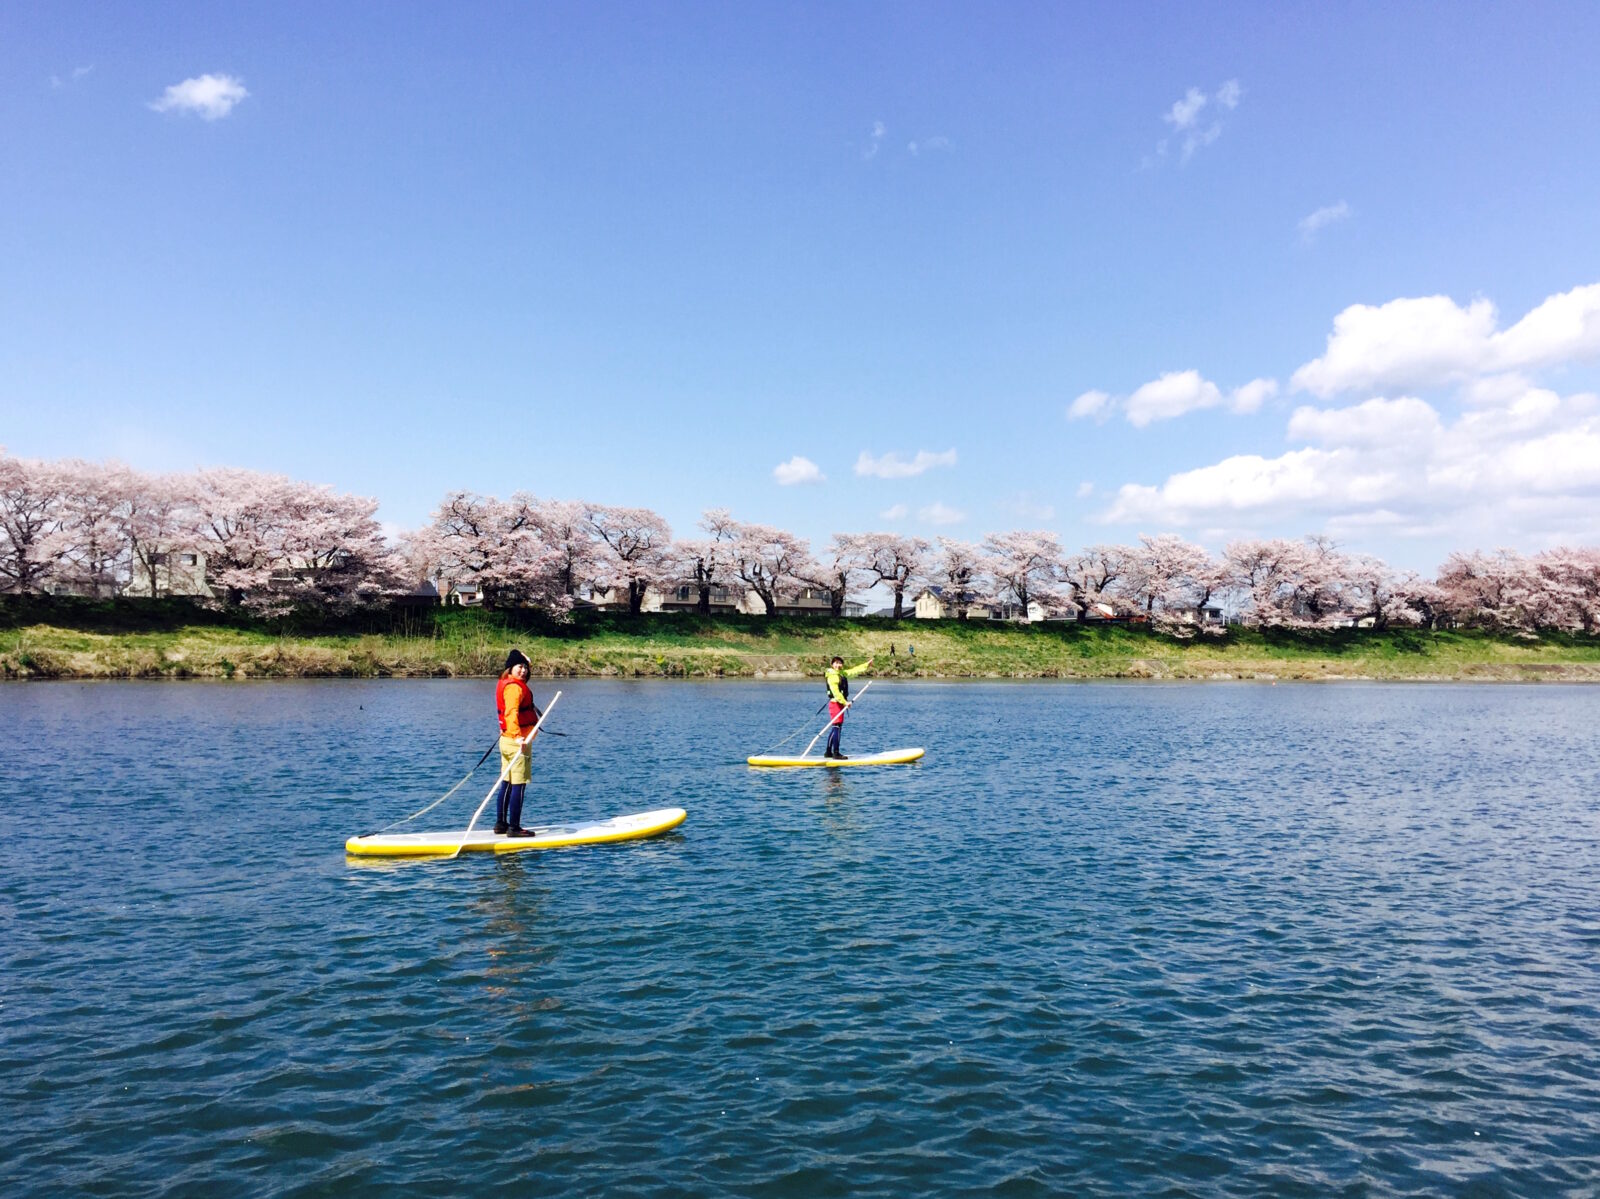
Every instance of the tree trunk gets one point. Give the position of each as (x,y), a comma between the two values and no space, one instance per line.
(635,597)
(769,599)
(836,603)
(899,601)
(704,606)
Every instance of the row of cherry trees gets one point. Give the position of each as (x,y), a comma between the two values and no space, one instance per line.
(271,545)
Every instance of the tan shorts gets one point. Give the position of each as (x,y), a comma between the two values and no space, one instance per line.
(515,772)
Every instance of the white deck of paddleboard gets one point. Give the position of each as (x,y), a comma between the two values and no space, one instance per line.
(545,836)
(887,757)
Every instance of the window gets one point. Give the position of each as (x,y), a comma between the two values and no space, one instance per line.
(187,559)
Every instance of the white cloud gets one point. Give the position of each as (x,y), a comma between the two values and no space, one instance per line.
(1430,341)
(211,97)
(879,132)
(76,74)
(1564,327)
(1319,220)
(1252,395)
(1090,403)
(797,470)
(1174,394)
(939,514)
(1377,422)
(1404,343)
(1085,490)
(893,466)
(1184,117)
(1528,471)
(895,512)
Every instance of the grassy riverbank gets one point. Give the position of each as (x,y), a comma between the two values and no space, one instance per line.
(170,639)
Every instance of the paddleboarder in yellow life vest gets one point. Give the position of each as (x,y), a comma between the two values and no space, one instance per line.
(838,680)
(518,716)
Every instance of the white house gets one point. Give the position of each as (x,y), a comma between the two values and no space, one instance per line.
(176,572)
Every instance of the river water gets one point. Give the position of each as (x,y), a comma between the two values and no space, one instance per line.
(1147,939)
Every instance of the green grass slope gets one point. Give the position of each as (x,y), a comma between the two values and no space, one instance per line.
(61,638)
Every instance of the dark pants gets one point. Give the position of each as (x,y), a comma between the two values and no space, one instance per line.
(508,804)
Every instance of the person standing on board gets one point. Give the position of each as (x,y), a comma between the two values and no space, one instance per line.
(518,716)
(838,680)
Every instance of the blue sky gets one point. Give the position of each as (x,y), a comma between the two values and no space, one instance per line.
(646,254)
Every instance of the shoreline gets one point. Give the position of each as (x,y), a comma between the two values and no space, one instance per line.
(795,653)
(52,638)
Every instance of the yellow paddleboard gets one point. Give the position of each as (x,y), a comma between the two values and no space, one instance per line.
(546,836)
(889,757)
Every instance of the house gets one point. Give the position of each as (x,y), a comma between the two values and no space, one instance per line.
(423,595)
(811,601)
(725,600)
(685,597)
(464,595)
(175,572)
(931,603)
(1208,616)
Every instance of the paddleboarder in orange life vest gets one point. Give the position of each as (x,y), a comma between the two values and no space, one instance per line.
(518,716)
(838,680)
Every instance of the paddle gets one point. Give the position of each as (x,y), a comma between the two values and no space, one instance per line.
(522,748)
(832,720)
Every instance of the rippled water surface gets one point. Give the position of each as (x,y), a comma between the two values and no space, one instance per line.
(1102,940)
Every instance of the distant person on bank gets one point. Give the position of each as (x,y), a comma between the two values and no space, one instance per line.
(518,716)
(838,680)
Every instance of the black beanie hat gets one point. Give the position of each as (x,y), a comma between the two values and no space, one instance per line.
(517,658)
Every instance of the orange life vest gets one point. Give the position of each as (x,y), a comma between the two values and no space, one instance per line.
(527,714)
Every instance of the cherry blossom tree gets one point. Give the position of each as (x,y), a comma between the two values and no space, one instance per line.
(333,555)
(151,515)
(1166,574)
(1488,590)
(1374,591)
(1025,565)
(31,519)
(895,561)
(566,528)
(958,572)
(1092,576)
(635,550)
(235,517)
(274,545)
(768,559)
(1566,582)
(500,546)
(1417,601)
(844,565)
(94,553)
(1292,584)
(705,562)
